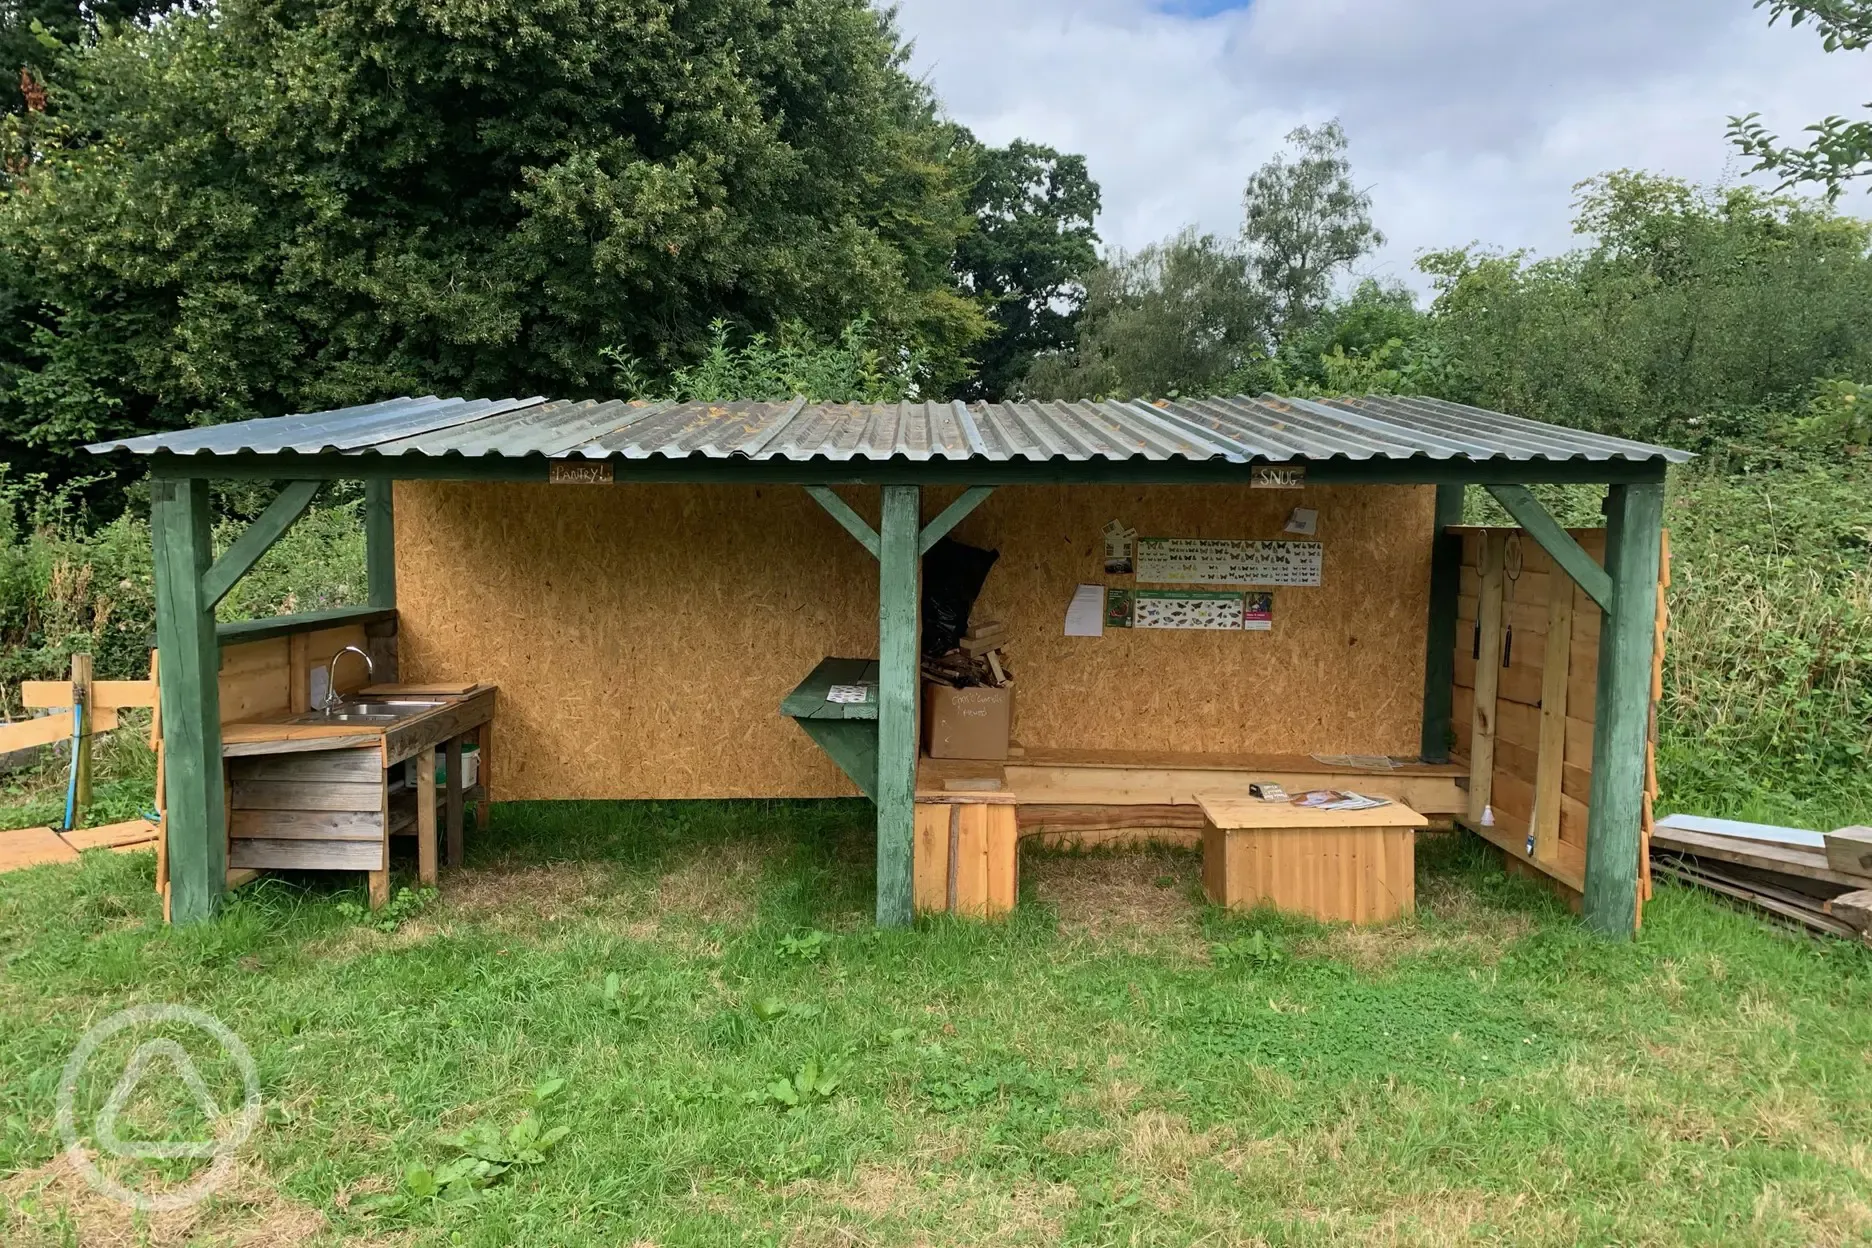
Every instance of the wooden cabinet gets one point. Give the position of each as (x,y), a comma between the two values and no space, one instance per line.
(321,810)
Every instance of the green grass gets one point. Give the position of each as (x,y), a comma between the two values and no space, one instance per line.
(1115,1064)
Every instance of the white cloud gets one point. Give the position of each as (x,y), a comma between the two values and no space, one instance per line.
(1469,119)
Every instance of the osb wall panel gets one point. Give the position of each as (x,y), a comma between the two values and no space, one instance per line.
(643,636)
(1341,671)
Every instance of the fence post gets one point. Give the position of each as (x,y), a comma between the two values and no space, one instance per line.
(81,708)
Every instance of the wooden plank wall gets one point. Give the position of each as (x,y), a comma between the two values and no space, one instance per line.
(1529,739)
(320,810)
(643,637)
(274,675)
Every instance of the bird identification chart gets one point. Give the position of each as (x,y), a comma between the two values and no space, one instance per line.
(1220,561)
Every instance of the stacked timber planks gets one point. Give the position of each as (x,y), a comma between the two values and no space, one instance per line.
(1818,882)
(978,659)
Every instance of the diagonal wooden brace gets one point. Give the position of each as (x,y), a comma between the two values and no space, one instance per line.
(239,559)
(1556,541)
(928,536)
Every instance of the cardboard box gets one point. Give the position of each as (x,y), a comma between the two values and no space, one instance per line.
(967,723)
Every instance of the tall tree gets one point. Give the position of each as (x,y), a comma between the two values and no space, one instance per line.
(1687,314)
(1028,256)
(1305,219)
(305,206)
(1178,316)
(1840,150)
(33,34)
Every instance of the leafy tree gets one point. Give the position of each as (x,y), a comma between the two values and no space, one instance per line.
(1373,340)
(852,370)
(33,33)
(1305,221)
(1198,314)
(1840,150)
(265,206)
(1029,255)
(1175,317)
(1689,315)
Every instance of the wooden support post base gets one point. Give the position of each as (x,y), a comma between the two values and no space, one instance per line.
(967,858)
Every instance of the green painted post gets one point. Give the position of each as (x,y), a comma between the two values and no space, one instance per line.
(1440,636)
(1622,717)
(380,542)
(899,581)
(189,673)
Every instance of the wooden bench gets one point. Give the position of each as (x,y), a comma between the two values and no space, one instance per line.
(1352,866)
(971,815)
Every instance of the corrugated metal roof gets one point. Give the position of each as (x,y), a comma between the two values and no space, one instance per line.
(1236,430)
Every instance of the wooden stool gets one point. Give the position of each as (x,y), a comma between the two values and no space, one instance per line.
(1356,866)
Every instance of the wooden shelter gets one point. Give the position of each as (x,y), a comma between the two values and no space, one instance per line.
(645,582)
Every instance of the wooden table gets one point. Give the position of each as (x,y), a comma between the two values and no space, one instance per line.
(1356,866)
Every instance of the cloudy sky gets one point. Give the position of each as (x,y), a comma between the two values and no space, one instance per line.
(1469,119)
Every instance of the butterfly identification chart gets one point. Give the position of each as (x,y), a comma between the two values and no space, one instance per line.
(1221,561)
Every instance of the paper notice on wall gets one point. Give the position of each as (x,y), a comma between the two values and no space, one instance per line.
(1085,616)
(1117,607)
(1304,521)
(1118,541)
(1184,608)
(1220,561)
(1258,612)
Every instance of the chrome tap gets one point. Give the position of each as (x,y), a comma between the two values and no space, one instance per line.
(332,700)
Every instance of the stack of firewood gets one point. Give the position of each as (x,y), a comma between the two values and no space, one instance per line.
(979,660)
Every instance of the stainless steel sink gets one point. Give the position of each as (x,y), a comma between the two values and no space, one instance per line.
(369,711)
(349,717)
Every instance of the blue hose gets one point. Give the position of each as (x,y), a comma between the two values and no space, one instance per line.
(71,782)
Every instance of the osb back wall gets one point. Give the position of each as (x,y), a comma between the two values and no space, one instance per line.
(644,636)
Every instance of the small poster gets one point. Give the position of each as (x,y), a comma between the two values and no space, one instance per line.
(1118,541)
(1220,561)
(1258,612)
(1117,607)
(1085,614)
(1184,608)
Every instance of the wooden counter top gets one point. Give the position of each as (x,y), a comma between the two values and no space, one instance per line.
(452,714)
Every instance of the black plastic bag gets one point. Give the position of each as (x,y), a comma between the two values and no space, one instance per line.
(953,575)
